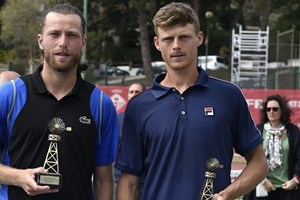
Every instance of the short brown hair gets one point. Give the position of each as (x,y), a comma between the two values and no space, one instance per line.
(65,9)
(174,14)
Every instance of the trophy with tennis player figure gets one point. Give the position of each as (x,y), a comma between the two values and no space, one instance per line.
(52,177)
(207,191)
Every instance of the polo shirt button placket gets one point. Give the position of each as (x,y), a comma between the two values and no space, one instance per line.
(183,108)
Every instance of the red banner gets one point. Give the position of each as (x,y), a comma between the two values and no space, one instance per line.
(118,95)
(254,98)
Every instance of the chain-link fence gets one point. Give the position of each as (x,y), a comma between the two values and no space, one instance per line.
(283,63)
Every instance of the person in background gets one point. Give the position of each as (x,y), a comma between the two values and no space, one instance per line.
(282,149)
(54,105)
(133,90)
(187,117)
(6,76)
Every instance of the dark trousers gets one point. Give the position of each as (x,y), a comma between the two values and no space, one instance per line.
(278,194)
(281,194)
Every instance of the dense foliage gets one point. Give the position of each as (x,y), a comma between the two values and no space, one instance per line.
(114,30)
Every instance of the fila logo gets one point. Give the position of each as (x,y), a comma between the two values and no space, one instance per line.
(84,120)
(209,111)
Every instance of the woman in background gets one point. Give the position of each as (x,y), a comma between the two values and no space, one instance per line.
(282,148)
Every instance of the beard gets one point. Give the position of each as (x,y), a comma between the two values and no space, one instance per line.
(64,66)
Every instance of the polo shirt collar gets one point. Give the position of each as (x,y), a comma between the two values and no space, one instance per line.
(40,88)
(160,90)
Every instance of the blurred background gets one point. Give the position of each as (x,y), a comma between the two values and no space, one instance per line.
(120,40)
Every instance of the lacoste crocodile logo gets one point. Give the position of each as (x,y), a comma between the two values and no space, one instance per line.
(84,120)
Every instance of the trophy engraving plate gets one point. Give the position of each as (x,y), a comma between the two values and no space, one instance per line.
(52,180)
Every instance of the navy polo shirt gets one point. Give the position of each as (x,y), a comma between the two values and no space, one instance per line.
(172,135)
(90,140)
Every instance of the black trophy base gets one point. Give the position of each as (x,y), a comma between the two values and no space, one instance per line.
(50,179)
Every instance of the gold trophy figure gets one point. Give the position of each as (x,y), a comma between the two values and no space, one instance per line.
(207,191)
(52,177)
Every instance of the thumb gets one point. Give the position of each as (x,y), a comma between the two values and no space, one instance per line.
(39,170)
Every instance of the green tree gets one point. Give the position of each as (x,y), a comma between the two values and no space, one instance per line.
(19,27)
(143,8)
(121,30)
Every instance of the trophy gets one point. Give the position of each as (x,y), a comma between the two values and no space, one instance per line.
(52,177)
(207,191)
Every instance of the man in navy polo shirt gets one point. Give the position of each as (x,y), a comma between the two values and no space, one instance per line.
(54,122)
(186,118)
